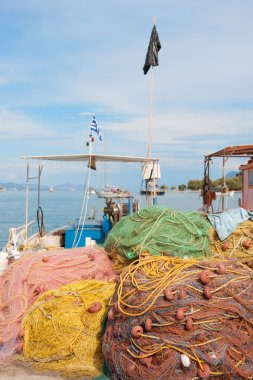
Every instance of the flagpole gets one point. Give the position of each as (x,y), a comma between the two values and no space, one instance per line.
(151,60)
(153,193)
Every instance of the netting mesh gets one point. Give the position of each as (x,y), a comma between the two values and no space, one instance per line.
(158,230)
(239,244)
(62,330)
(37,272)
(181,319)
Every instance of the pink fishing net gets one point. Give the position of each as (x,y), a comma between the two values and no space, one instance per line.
(36,272)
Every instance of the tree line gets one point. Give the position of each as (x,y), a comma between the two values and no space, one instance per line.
(234,183)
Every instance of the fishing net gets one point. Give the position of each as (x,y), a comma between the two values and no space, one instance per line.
(239,244)
(178,319)
(158,230)
(63,329)
(37,272)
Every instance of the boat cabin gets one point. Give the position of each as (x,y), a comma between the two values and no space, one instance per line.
(209,192)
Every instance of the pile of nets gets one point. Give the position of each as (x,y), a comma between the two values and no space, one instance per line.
(239,244)
(63,329)
(178,319)
(37,272)
(158,230)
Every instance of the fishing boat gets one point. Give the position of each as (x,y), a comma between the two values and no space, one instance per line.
(87,230)
(113,192)
(51,189)
(148,191)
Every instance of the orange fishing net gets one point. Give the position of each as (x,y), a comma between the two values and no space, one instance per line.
(181,319)
(37,272)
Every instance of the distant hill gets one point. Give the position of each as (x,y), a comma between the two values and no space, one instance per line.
(12,186)
(232,174)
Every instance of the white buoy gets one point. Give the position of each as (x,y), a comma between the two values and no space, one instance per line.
(185,360)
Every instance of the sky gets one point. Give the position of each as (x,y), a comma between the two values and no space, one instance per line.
(63,61)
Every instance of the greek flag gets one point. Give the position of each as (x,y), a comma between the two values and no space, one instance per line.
(94,127)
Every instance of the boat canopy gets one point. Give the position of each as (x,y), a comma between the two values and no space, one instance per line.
(92,158)
(235,151)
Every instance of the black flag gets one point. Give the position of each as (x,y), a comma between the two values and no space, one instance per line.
(153,49)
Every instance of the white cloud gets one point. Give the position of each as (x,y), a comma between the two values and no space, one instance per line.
(17,125)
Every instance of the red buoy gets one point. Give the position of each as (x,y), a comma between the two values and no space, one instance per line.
(180,314)
(189,324)
(182,294)
(95,307)
(224,246)
(204,374)
(110,315)
(207,292)
(137,331)
(221,269)
(148,324)
(205,276)
(168,294)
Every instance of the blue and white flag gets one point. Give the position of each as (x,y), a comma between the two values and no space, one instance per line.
(94,127)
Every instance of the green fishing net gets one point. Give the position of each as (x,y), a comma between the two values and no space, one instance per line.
(159,230)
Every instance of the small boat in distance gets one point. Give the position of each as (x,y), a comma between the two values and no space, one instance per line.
(51,189)
(159,190)
(91,191)
(113,192)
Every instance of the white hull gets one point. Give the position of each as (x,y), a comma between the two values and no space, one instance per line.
(111,194)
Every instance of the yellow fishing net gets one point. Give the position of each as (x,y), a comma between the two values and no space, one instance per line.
(238,245)
(62,334)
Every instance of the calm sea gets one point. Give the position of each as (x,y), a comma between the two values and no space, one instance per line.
(63,207)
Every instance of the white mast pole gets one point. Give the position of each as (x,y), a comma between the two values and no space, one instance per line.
(153,195)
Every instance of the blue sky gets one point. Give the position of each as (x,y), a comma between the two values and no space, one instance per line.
(63,61)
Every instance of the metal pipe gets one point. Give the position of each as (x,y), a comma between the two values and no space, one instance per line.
(27,200)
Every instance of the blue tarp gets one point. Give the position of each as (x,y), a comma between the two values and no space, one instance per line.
(226,222)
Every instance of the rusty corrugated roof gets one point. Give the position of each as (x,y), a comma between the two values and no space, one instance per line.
(238,151)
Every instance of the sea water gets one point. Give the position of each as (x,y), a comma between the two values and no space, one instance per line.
(64,207)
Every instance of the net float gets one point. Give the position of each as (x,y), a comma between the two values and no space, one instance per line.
(221,269)
(20,346)
(95,307)
(246,244)
(205,276)
(224,246)
(189,324)
(110,315)
(148,324)
(182,294)
(168,294)
(137,331)
(185,360)
(180,314)
(116,306)
(204,374)
(92,257)
(21,334)
(207,292)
